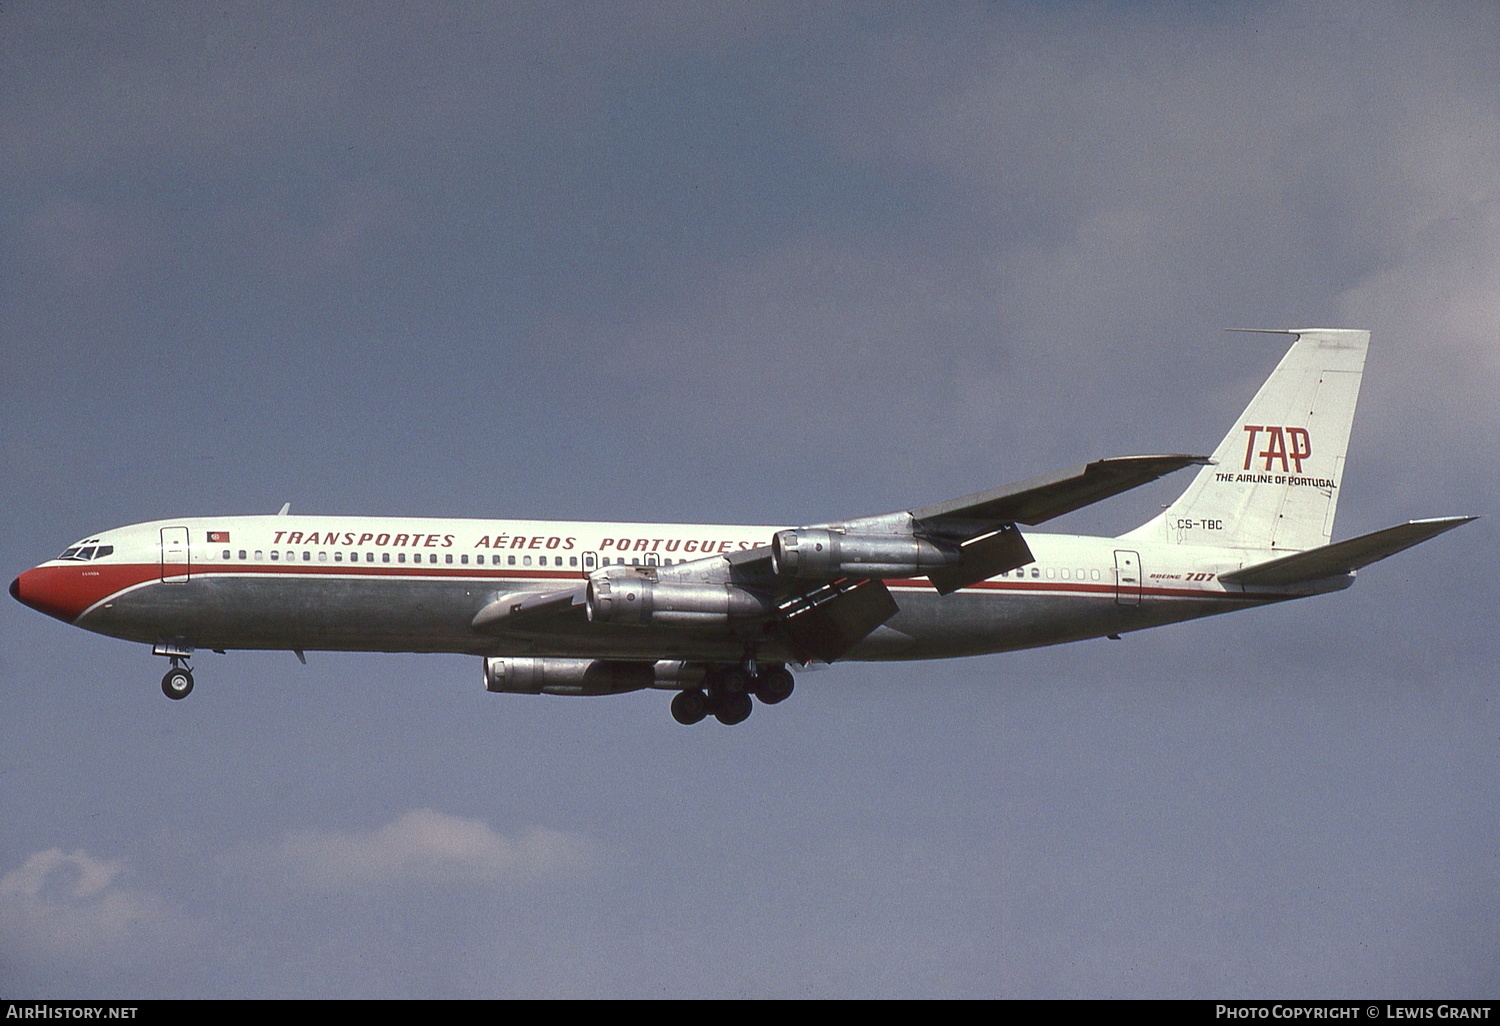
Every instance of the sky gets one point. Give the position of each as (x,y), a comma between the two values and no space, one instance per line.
(770,263)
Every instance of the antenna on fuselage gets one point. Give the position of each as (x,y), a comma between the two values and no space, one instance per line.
(285,508)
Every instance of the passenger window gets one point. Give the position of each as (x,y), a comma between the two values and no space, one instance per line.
(572,560)
(1064,573)
(385,557)
(511,560)
(1049,573)
(1093,575)
(1036,572)
(242,553)
(275,554)
(464,559)
(338,557)
(226,553)
(307,557)
(525,560)
(448,558)
(259,555)
(322,557)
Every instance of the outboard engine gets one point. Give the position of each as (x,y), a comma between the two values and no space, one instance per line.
(822,554)
(530,676)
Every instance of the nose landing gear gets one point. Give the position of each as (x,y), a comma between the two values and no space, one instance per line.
(178,683)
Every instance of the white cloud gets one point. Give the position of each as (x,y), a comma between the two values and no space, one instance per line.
(60,904)
(424,846)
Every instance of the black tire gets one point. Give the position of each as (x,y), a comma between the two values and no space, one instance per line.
(689,707)
(177,684)
(774,686)
(733,708)
(735,681)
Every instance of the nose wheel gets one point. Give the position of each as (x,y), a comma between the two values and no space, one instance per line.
(178,683)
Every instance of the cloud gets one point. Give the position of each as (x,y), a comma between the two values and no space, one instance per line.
(429,846)
(60,904)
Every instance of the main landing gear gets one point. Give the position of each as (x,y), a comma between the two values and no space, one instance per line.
(727,695)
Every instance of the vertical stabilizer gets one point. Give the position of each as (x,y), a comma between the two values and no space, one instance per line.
(1276,476)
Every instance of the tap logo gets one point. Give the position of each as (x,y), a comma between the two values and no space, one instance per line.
(1288,445)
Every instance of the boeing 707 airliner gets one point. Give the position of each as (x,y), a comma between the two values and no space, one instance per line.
(719,614)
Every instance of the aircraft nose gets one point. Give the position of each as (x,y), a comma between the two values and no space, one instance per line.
(56,591)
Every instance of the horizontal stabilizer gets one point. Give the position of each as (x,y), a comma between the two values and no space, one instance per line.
(1042,498)
(512,612)
(1345,556)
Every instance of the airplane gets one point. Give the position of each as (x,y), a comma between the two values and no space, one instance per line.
(718,614)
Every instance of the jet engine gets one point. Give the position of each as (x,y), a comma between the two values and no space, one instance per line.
(530,676)
(640,601)
(821,554)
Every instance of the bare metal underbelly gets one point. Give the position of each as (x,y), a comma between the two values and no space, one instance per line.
(323,614)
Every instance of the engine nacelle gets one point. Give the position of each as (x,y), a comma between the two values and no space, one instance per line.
(529,676)
(821,553)
(639,601)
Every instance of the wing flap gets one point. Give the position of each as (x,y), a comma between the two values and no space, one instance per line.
(1343,557)
(834,618)
(982,559)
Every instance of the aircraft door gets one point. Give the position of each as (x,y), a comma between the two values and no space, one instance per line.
(1127,577)
(176,565)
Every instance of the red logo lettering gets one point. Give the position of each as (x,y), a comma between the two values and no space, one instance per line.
(1284,446)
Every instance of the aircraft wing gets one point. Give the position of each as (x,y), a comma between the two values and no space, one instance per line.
(524,611)
(1039,499)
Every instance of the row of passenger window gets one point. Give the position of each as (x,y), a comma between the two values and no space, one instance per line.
(290,556)
(1065,573)
(385,557)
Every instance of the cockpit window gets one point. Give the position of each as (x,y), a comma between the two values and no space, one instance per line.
(87,550)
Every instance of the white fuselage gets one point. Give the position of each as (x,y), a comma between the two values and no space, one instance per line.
(416,584)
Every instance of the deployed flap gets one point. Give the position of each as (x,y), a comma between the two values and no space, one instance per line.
(512,612)
(1345,556)
(838,616)
(1051,495)
(982,559)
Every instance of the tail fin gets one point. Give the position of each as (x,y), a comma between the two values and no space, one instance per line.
(1275,482)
